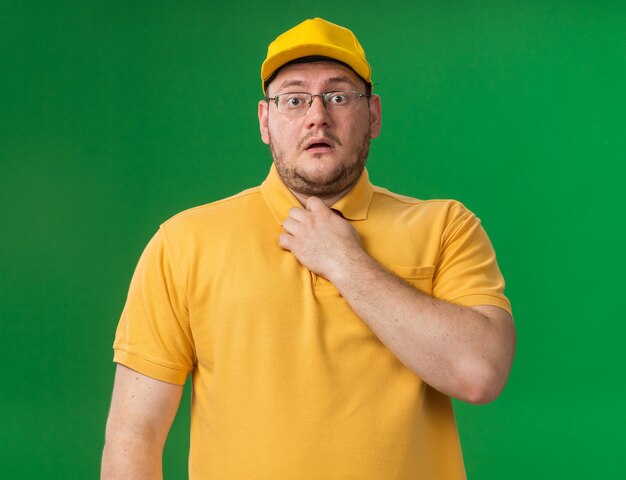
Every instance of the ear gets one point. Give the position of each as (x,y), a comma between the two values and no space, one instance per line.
(376,115)
(263,109)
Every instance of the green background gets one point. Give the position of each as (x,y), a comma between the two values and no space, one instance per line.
(116,115)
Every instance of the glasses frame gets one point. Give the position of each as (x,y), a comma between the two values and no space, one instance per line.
(324,97)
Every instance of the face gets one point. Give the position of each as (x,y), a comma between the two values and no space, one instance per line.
(319,153)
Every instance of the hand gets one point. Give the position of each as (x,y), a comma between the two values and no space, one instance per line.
(321,240)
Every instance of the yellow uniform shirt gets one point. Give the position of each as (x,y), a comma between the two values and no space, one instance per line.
(288,383)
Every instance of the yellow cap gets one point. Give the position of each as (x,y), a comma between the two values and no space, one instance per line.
(316,37)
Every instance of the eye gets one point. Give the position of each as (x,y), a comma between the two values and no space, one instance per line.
(338,98)
(293,101)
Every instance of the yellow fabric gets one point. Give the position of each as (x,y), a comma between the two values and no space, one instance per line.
(287,382)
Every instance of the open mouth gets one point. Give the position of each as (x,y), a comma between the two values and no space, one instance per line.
(314,146)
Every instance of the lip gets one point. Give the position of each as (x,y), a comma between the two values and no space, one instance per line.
(318,145)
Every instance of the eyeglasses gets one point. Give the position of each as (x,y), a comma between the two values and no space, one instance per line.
(298,103)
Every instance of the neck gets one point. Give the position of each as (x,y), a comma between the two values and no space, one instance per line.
(327,199)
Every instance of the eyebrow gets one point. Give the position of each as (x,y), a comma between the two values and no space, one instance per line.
(291,83)
(330,82)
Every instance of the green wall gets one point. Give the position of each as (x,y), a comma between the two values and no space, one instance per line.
(116,115)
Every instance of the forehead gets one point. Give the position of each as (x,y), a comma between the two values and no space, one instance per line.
(312,75)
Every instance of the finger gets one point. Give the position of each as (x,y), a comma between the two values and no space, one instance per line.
(314,204)
(298,213)
(284,240)
(291,226)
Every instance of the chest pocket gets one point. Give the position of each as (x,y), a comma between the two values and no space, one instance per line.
(420,277)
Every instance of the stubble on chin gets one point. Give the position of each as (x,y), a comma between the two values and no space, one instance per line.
(343,178)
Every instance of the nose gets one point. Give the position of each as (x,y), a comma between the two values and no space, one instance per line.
(320,96)
(318,113)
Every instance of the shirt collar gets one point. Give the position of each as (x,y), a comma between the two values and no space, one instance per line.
(354,205)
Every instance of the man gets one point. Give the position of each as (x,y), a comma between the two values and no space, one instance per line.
(326,322)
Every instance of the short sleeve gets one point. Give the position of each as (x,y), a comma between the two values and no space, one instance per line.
(153,336)
(467,272)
